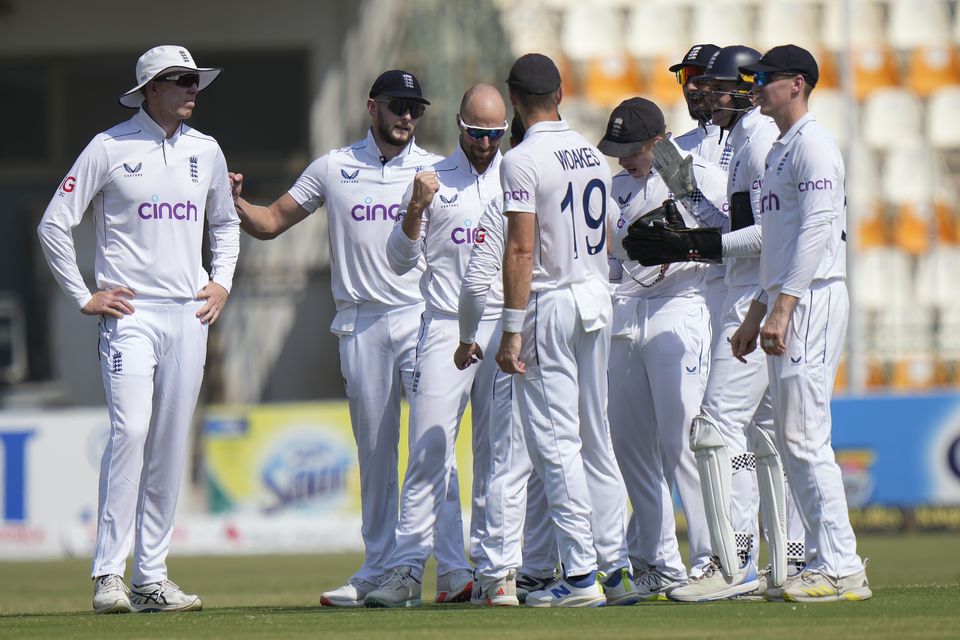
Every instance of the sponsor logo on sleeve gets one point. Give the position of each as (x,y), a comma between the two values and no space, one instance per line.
(820,184)
(68,185)
(517,195)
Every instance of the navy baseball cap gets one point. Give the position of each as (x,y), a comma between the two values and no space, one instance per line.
(534,73)
(631,124)
(397,83)
(787,58)
(698,56)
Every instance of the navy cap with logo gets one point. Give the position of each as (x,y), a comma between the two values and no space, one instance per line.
(534,73)
(698,56)
(397,83)
(631,124)
(787,58)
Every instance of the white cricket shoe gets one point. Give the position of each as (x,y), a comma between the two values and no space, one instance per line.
(501,592)
(400,589)
(619,588)
(561,593)
(110,594)
(653,585)
(768,590)
(349,595)
(814,586)
(163,596)
(454,586)
(527,584)
(713,584)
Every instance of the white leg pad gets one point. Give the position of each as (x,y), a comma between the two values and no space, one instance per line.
(713,464)
(773,504)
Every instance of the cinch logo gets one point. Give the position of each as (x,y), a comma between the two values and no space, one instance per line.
(69,184)
(769,202)
(156,210)
(15,474)
(349,177)
(370,211)
(756,185)
(467,234)
(822,184)
(519,195)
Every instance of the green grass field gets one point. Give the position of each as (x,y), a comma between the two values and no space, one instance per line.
(915,580)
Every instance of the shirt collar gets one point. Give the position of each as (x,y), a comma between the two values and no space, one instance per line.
(791,133)
(149,126)
(374,150)
(547,125)
(463,163)
(745,127)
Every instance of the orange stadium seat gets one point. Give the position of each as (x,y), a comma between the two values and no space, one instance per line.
(874,68)
(662,85)
(611,79)
(931,68)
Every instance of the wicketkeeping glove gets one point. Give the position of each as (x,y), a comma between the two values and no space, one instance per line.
(657,244)
(675,169)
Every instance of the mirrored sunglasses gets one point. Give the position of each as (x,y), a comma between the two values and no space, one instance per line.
(687,73)
(761,78)
(183,79)
(400,107)
(479,133)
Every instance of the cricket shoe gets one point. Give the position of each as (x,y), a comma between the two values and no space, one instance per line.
(561,593)
(619,588)
(713,584)
(501,592)
(654,585)
(400,589)
(163,596)
(454,586)
(527,584)
(349,595)
(110,595)
(814,586)
(771,592)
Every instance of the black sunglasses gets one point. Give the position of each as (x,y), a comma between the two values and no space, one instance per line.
(183,80)
(400,106)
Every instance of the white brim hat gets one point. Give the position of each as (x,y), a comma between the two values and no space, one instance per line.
(164,60)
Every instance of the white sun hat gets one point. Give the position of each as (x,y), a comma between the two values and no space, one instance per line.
(163,60)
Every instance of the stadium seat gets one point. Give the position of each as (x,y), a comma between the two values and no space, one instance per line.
(937,273)
(943,125)
(918,23)
(867,28)
(678,118)
(783,21)
(589,32)
(874,68)
(931,68)
(829,108)
(661,85)
(917,185)
(657,28)
(864,198)
(829,73)
(724,21)
(532,27)
(609,80)
(892,117)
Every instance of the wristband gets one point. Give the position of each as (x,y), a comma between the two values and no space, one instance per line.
(513,320)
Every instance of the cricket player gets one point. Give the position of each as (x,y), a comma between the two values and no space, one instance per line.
(803,275)
(440,216)
(516,509)
(378,312)
(556,333)
(659,354)
(151,182)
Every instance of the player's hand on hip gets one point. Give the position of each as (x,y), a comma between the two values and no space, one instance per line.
(236,184)
(216,297)
(425,186)
(467,354)
(110,302)
(508,357)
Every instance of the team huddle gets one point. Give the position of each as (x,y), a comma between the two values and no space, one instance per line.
(604,329)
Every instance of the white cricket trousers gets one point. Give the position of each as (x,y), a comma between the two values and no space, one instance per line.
(715,292)
(377,361)
(563,395)
(439,397)
(152,366)
(737,393)
(801,385)
(658,370)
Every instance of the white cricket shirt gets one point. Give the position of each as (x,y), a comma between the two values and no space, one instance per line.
(363,198)
(149,195)
(750,139)
(449,228)
(564,180)
(804,211)
(481,293)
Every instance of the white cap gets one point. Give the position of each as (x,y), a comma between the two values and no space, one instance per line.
(160,61)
